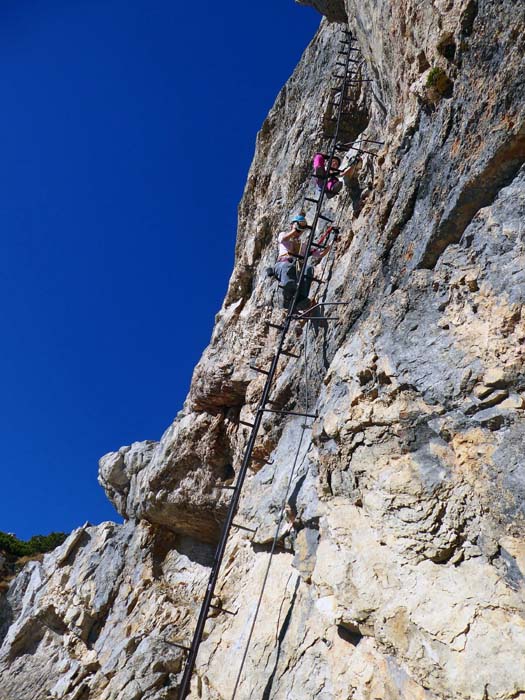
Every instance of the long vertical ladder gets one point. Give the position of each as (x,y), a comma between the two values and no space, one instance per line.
(347,50)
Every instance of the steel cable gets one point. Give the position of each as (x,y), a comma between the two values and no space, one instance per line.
(279,523)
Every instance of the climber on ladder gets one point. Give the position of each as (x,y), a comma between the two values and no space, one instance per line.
(333,175)
(291,250)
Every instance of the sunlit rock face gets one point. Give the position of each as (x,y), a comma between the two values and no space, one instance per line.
(401,571)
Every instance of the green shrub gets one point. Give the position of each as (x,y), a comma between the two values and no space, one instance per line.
(438,83)
(436,78)
(433,76)
(38,544)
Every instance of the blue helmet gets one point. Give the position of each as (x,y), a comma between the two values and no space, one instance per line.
(300,219)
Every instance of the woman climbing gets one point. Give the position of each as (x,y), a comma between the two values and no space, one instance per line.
(291,250)
(333,175)
(321,173)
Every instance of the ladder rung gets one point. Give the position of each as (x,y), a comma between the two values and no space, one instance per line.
(319,306)
(258,369)
(230,488)
(287,352)
(362,150)
(243,527)
(180,646)
(318,281)
(311,199)
(296,255)
(292,413)
(218,607)
(248,425)
(318,245)
(326,218)
(316,318)
(338,77)
(275,325)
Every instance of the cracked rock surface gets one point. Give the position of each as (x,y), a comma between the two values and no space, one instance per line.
(400,572)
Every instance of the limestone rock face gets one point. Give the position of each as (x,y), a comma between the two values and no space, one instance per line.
(177,481)
(101,616)
(401,566)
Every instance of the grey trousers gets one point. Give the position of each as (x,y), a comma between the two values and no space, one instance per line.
(286,273)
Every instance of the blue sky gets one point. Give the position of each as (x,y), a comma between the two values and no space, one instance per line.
(127,130)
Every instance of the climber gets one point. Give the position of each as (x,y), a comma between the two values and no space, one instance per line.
(290,251)
(333,183)
(334,177)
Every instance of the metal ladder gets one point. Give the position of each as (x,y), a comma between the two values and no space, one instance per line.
(347,50)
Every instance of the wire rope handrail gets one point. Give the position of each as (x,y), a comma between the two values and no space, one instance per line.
(277,529)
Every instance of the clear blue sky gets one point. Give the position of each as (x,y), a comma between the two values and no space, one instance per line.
(127,129)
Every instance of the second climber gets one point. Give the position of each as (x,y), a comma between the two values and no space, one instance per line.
(291,251)
(321,173)
(333,175)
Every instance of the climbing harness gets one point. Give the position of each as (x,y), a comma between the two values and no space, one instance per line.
(292,316)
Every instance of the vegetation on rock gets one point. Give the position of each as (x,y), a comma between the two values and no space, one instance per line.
(38,544)
(439,82)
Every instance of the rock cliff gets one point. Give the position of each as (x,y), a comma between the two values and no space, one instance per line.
(401,571)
